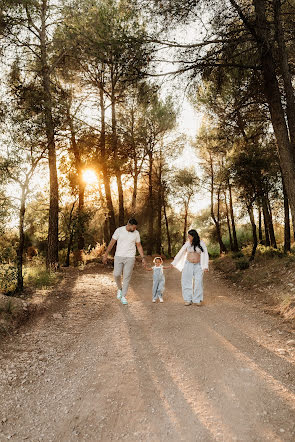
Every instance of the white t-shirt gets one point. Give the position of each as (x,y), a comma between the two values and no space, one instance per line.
(126,242)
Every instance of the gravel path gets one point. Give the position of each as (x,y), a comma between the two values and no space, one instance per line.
(90,369)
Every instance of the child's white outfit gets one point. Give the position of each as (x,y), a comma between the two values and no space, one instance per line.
(158,282)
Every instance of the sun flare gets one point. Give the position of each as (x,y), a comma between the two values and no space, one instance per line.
(89,176)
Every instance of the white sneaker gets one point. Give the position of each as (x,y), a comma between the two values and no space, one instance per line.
(119,294)
(154,300)
(124,300)
(161,299)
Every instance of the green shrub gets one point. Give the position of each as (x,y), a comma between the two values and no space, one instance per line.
(8,278)
(237,255)
(270,252)
(39,277)
(213,250)
(242,263)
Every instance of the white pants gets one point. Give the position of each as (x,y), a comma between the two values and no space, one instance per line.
(192,282)
(123,265)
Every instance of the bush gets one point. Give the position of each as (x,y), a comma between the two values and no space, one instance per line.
(39,277)
(8,278)
(270,252)
(242,263)
(237,255)
(213,250)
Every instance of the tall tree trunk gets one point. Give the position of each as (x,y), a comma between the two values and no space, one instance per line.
(52,245)
(71,237)
(266,230)
(287,229)
(268,221)
(104,166)
(217,225)
(150,206)
(260,235)
(159,210)
(116,158)
(233,224)
(254,232)
(186,205)
(20,249)
(271,227)
(81,184)
(273,96)
(228,223)
(167,228)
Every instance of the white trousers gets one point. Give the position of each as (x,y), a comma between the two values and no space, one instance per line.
(192,282)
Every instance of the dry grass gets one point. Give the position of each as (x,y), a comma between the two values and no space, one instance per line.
(269,279)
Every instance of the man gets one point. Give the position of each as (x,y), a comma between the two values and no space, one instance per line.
(127,237)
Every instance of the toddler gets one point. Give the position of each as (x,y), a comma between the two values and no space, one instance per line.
(158,278)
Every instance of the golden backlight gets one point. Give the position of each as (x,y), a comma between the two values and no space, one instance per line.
(89,176)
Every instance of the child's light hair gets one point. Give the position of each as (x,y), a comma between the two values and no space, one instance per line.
(157,257)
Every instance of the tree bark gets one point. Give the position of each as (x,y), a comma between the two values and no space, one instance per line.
(104,166)
(263,37)
(20,249)
(273,96)
(233,224)
(287,229)
(268,221)
(159,214)
(167,228)
(228,223)
(186,205)
(260,224)
(216,222)
(266,230)
(150,206)
(117,165)
(52,247)
(285,71)
(254,232)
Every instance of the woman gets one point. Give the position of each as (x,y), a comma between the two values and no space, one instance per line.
(192,259)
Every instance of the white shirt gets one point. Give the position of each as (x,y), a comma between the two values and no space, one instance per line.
(126,242)
(180,258)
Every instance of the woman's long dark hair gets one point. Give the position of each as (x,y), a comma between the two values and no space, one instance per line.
(196,239)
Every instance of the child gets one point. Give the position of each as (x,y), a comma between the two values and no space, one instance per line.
(158,278)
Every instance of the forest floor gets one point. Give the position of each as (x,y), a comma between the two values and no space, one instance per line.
(91,369)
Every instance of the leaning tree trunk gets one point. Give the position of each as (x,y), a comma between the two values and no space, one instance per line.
(261,33)
(52,245)
(20,249)
(285,71)
(273,96)
(266,230)
(216,222)
(287,229)
(273,241)
(254,232)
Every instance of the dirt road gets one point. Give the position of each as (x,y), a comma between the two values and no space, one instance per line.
(90,369)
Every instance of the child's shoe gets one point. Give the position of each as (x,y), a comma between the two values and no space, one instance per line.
(119,294)
(124,300)
(154,300)
(161,299)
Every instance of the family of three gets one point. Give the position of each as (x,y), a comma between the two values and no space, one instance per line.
(191,260)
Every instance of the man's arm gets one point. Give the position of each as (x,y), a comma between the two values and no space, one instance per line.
(109,248)
(141,252)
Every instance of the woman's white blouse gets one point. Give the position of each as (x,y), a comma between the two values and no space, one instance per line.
(180,258)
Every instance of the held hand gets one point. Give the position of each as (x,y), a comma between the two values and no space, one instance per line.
(105,259)
(206,270)
(143,263)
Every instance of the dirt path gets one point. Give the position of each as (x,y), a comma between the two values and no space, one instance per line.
(91,369)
